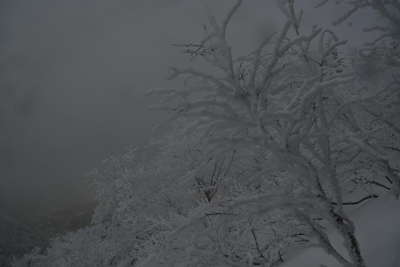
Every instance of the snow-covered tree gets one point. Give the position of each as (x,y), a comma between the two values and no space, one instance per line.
(266,152)
(293,98)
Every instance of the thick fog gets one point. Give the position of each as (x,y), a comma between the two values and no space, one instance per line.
(73,77)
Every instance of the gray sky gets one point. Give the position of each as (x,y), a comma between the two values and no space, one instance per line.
(78,70)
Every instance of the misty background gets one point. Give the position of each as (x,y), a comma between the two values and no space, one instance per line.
(73,77)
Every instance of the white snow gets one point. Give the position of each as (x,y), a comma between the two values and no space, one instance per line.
(378,230)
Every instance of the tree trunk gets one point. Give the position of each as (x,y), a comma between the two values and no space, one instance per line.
(346,229)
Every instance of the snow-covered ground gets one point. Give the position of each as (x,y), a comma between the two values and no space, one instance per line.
(378,230)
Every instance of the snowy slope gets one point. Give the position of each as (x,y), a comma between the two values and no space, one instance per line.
(378,230)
